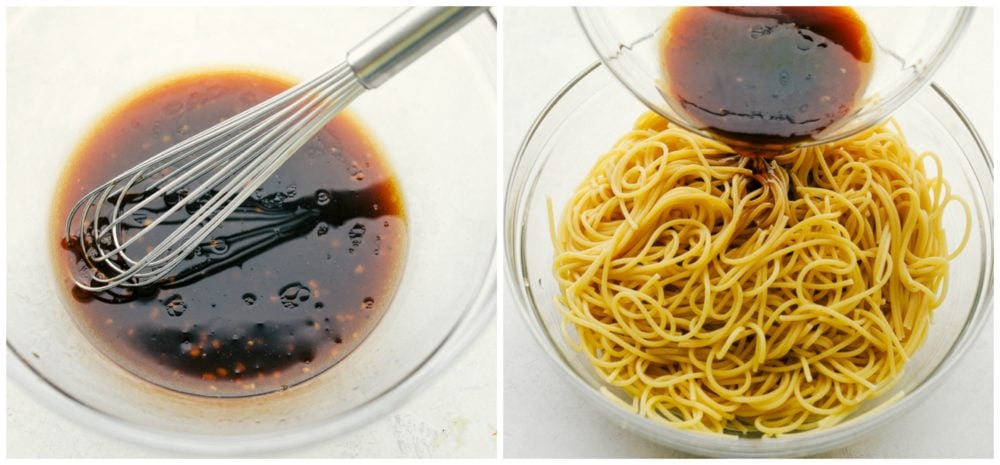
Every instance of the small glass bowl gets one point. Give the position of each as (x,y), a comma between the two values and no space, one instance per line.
(910,44)
(435,121)
(585,119)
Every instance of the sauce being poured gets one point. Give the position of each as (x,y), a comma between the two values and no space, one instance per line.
(765,76)
(288,286)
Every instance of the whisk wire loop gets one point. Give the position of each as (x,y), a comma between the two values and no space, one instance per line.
(218,169)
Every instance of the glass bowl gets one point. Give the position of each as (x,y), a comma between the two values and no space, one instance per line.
(585,119)
(436,122)
(910,44)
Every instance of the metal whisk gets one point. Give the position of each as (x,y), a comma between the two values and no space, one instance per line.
(219,168)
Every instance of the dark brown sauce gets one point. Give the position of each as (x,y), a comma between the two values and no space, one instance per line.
(765,76)
(284,289)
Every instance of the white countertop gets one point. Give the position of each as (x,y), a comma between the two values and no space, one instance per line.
(544,417)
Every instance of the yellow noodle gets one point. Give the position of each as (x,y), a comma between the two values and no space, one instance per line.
(727,294)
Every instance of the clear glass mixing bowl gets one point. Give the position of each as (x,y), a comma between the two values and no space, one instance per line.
(436,122)
(910,44)
(585,119)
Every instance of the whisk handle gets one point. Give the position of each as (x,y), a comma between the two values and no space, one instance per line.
(404,39)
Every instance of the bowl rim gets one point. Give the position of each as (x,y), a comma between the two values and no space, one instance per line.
(588,16)
(478,312)
(521,180)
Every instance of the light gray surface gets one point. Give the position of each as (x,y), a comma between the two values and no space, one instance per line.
(543,417)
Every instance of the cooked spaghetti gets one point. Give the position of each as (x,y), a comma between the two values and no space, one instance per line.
(753,295)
